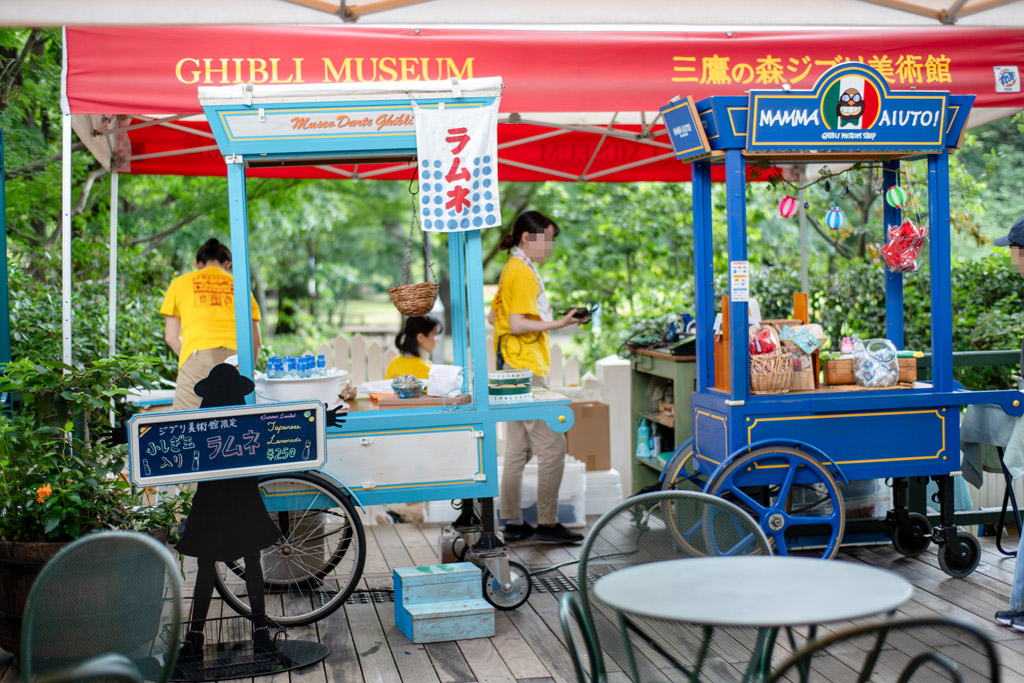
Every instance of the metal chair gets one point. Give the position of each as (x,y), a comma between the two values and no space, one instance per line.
(651,527)
(908,651)
(106,607)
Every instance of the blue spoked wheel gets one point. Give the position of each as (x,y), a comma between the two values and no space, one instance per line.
(792,495)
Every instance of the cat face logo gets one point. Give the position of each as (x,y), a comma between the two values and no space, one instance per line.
(850,107)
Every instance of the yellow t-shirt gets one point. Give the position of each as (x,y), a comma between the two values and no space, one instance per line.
(407,365)
(204,300)
(518,289)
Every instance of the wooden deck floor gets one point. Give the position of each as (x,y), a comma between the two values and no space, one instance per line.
(366,645)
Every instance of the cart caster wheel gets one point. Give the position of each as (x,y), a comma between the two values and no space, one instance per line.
(518,591)
(917,541)
(956,566)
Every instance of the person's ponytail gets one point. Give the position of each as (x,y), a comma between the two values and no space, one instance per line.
(533,222)
(213,250)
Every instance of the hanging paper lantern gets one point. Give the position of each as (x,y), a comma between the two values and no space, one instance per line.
(835,218)
(895,197)
(787,207)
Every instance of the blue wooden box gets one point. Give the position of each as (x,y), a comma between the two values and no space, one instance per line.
(442,602)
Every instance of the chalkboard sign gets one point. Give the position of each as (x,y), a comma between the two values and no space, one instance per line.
(223,443)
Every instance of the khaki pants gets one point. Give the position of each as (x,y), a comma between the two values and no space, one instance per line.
(196,368)
(523,440)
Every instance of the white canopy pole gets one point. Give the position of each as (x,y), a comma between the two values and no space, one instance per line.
(112,289)
(66,236)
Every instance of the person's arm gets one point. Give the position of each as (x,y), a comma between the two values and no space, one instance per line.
(520,324)
(172,333)
(491,317)
(256,341)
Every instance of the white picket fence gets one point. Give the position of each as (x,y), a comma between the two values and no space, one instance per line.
(367,360)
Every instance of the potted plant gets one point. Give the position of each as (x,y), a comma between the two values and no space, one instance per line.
(58,480)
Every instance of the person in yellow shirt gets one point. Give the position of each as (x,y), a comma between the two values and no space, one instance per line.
(417,339)
(522,317)
(199,320)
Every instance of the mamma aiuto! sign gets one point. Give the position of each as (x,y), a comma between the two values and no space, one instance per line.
(850,106)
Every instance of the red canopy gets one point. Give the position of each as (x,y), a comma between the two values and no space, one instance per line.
(576,105)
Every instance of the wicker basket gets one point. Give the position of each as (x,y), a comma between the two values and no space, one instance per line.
(770,373)
(417,299)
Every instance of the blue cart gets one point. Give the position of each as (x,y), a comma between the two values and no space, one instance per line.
(781,456)
(385,456)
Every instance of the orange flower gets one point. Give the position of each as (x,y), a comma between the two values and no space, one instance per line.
(43,491)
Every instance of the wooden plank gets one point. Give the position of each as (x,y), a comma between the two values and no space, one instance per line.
(335,632)
(375,564)
(485,661)
(514,650)
(412,660)
(371,645)
(449,664)
(416,543)
(391,546)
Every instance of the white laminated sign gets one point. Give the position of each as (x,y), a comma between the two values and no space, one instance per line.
(739,281)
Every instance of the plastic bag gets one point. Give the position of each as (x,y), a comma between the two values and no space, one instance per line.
(444,379)
(874,363)
(763,341)
(902,247)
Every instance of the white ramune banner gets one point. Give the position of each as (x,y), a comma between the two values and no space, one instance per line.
(458,167)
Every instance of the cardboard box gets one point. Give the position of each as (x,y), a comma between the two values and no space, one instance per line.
(589,439)
(908,369)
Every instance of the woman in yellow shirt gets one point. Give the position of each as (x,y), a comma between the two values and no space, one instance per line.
(522,317)
(416,340)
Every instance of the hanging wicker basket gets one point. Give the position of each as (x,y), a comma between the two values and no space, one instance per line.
(770,373)
(416,299)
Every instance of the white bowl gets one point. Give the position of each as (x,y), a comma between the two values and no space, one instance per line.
(324,389)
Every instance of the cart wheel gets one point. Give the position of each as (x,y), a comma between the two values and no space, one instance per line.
(763,483)
(312,569)
(517,593)
(956,566)
(918,540)
(680,472)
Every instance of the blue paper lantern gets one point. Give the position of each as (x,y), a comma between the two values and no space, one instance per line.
(835,218)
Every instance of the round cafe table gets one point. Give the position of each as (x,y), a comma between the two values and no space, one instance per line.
(758,591)
(765,592)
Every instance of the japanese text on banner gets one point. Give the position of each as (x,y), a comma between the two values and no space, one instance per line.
(458,167)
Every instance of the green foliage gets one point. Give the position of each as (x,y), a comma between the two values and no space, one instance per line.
(57,481)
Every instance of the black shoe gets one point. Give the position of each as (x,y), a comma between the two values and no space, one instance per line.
(517,532)
(556,533)
(1017,624)
(1006,618)
(191,651)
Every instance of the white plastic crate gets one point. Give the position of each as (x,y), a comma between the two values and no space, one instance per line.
(571,493)
(604,491)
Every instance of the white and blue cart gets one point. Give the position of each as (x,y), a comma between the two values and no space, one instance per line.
(376,457)
(780,456)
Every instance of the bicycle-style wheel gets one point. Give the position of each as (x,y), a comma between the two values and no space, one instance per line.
(765,483)
(316,563)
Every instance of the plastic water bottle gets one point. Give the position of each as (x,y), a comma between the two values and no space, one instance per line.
(307,366)
(321,365)
(643,434)
(275,367)
(291,367)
